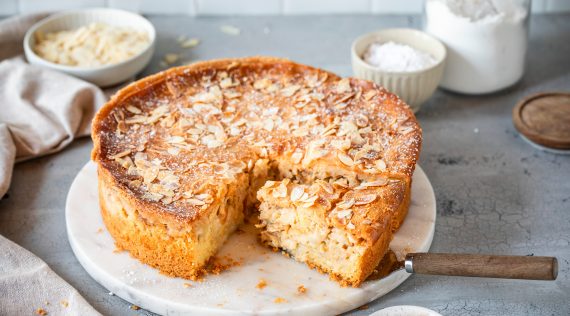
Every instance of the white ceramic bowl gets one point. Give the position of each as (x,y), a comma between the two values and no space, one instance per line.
(414,87)
(106,75)
(405,310)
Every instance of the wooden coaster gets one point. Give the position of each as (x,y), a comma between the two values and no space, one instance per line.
(544,118)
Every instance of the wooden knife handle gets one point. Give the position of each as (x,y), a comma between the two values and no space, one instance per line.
(486,266)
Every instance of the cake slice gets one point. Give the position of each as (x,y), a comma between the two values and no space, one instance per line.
(340,230)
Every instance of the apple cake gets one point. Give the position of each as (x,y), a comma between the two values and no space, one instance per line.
(324,163)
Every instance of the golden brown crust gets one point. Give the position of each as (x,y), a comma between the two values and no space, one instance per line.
(171,145)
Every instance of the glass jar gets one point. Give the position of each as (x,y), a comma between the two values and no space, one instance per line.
(486,42)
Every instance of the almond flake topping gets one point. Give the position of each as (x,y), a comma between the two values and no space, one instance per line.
(196,202)
(297,156)
(406,130)
(344,214)
(227,83)
(310,201)
(377,183)
(340,183)
(341,144)
(345,159)
(281,190)
(262,83)
(133,109)
(361,120)
(152,196)
(176,140)
(380,165)
(121,154)
(343,86)
(290,90)
(369,95)
(365,199)
(326,187)
(297,193)
(346,204)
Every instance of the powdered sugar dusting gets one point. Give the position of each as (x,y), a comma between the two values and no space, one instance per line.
(391,56)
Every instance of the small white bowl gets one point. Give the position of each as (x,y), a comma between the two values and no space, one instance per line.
(102,76)
(405,310)
(414,87)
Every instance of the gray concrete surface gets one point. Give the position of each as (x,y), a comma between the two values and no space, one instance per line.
(495,193)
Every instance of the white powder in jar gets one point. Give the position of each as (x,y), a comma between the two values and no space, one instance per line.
(486,42)
(396,57)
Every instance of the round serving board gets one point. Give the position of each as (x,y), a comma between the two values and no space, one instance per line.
(234,291)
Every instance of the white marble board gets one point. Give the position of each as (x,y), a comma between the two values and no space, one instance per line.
(234,291)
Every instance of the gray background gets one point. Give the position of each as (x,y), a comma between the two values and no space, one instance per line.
(495,193)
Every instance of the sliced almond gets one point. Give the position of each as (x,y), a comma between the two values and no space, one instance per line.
(377,183)
(344,214)
(341,183)
(346,204)
(297,193)
(121,154)
(175,139)
(290,90)
(297,156)
(280,191)
(361,120)
(326,187)
(133,109)
(380,165)
(152,196)
(345,159)
(343,86)
(196,202)
(365,199)
(369,95)
(310,201)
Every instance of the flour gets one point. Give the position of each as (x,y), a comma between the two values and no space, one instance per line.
(486,42)
(396,57)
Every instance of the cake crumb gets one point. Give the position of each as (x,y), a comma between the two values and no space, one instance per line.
(363,307)
(219,265)
(187,285)
(135,308)
(279,300)
(64,303)
(41,311)
(262,283)
(46,302)
(171,58)
(100,230)
(193,42)
(230,30)
(301,289)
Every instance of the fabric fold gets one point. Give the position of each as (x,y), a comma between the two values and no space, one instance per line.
(41,112)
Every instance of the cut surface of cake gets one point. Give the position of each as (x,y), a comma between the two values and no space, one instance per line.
(185,154)
(336,229)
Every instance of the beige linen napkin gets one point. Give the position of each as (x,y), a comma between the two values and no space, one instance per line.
(41,111)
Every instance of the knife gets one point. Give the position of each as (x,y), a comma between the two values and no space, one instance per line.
(485,266)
